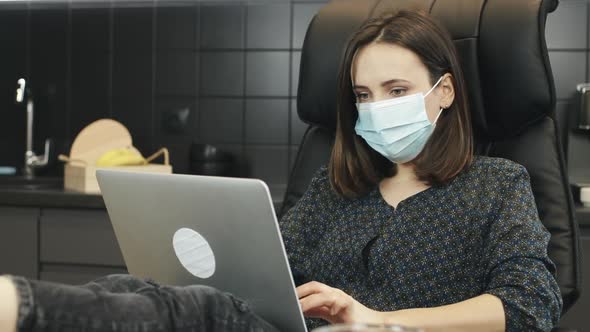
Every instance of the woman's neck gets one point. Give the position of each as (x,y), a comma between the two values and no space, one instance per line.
(405,173)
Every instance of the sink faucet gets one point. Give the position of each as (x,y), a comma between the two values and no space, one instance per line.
(32,161)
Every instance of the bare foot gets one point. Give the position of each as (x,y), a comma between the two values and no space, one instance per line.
(8,305)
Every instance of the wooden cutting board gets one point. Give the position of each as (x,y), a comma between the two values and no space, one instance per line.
(99,137)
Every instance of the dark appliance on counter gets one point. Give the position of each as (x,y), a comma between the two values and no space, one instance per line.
(206,159)
(583,103)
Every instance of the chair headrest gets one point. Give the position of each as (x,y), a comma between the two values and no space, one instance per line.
(501,45)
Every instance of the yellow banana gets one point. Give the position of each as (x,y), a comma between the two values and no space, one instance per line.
(120,157)
(105,158)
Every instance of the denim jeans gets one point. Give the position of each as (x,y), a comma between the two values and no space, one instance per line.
(126,303)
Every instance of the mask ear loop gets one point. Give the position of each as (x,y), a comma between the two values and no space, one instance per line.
(429,91)
(436,119)
(434,86)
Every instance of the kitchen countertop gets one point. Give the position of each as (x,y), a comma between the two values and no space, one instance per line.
(58,197)
(55,196)
(50,198)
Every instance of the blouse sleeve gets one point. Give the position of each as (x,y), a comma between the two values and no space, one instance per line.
(301,227)
(519,272)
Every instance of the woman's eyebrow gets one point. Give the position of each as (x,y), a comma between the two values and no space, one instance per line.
(389,82)
(395,80)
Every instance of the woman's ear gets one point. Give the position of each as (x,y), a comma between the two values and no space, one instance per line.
(448,91)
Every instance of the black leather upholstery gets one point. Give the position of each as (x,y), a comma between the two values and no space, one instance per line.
(512,96)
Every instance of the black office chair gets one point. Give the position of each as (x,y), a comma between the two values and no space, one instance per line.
(511,91)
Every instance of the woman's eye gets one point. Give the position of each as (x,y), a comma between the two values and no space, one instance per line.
(362,96)
(397,92)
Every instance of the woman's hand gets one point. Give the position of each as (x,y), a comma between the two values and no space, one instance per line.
(321,301)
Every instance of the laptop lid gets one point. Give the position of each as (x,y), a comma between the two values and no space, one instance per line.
(215,231)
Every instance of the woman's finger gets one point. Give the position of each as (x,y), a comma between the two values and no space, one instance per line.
(311,288)
(317,300)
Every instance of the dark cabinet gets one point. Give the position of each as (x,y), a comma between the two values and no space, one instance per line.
(74,246)
(77,246)
(78,237)
(19,250)
(71,246)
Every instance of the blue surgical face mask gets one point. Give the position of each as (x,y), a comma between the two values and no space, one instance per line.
(397,128)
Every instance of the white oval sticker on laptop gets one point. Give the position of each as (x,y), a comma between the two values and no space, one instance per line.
(194,253)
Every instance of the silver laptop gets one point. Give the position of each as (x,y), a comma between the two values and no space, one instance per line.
(215,231)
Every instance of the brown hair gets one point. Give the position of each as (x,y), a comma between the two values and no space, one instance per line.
(355,167)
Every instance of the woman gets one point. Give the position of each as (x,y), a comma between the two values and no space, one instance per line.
(404,225)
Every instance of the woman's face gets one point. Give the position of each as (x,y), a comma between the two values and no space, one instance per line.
(383,71)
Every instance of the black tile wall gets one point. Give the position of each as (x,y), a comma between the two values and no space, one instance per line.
(49,28)
(176,120)
(295,60)
(13,66)
(267,26)
(222,73)
(568,70)
(135,113)
(86,109)
(218,72)
(90,73)
(48,71)
(132,74)
(133,28)
(13,19)
(267,74)
(567,26)
(52,115)
(567,40)
(176,72)
(222,25)
(91,29)
(578,156)
(267,121)
(14,132)
(269,163)
(221,120)
(172,20)
(49,62)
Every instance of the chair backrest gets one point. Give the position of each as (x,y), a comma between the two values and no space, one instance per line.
(501,44)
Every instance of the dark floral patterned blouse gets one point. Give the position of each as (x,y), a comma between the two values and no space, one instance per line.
(478,234)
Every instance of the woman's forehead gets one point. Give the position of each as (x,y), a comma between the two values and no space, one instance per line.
(381,62)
